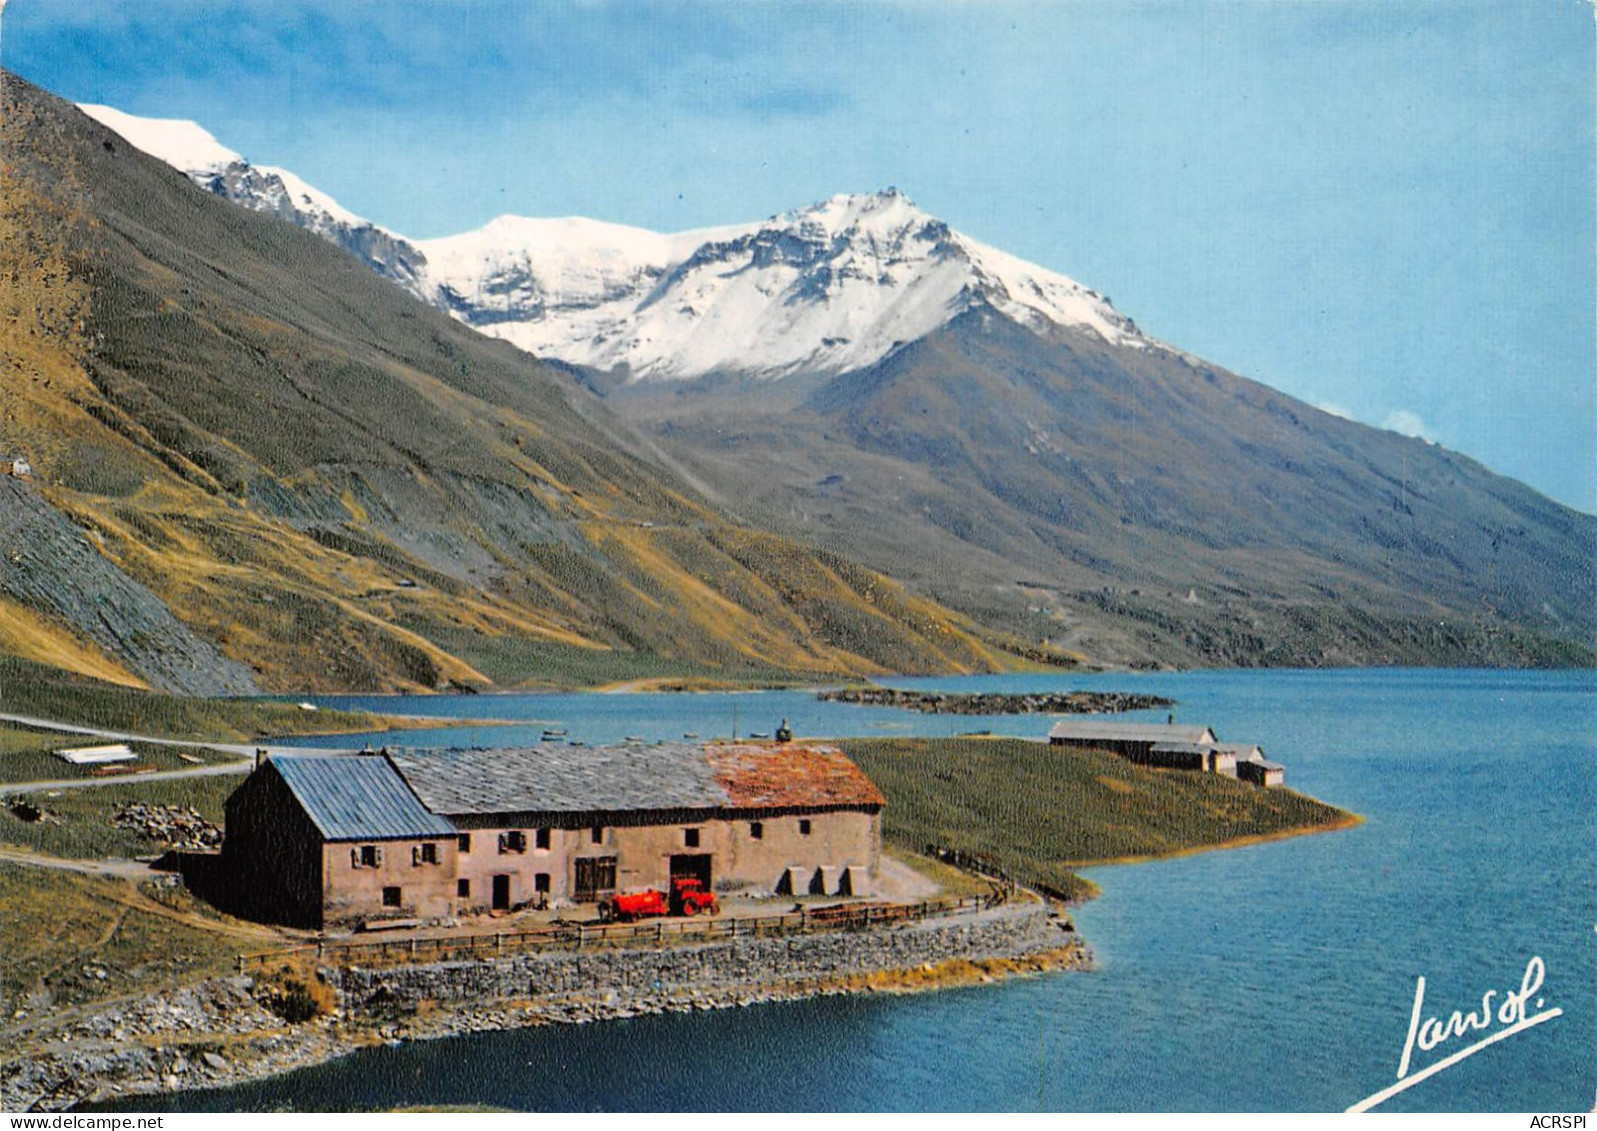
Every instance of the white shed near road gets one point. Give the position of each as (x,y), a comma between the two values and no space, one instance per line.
(97,755)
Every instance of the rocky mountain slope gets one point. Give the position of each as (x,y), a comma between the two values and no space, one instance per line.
(1143,506)
(860,375)
(340,487)
(191,149)
(51,569)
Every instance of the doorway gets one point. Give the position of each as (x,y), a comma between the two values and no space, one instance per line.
(692,866)
(501,895)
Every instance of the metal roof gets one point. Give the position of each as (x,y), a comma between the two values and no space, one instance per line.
(1241,749)
(1184,747)
(555,778)
(357,797)
(1088,730)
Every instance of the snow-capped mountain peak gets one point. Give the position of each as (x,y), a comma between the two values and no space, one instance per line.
(303,197)
(830,287)
(879,214)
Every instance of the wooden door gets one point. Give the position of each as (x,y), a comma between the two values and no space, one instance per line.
(595,876)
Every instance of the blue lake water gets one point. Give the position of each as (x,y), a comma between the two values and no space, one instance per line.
(1279,976)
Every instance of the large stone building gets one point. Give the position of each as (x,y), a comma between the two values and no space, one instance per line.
(343,840)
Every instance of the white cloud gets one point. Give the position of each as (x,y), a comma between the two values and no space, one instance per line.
(1409,424)
(1334,409)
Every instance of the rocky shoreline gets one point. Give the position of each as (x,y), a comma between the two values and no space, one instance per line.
(996,703)
(218,1033)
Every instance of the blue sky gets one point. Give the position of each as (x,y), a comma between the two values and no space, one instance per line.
(1387,207)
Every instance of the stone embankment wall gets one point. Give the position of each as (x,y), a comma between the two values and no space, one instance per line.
(216,1033)
(777,966)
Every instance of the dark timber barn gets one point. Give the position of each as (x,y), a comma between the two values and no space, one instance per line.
(1171,747)
(317,839)
(1132,741)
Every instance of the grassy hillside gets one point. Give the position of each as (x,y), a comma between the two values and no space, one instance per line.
(82,823)
(33,689)
(342,488)
(1040,811)
(103,937)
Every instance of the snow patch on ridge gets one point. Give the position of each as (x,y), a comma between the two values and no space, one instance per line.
(303,197)
(190,148)
(185,145)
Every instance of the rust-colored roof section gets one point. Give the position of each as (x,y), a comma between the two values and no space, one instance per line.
(790,775)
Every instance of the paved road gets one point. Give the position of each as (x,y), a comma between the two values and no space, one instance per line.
(245,752)
(217,770)
(243,749)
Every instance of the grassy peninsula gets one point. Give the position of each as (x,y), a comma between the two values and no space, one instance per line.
(1039,812)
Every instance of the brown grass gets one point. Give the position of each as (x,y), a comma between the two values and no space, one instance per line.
(58,929)
(963,972)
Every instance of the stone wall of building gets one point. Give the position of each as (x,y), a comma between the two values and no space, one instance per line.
(353,890)
(749,853)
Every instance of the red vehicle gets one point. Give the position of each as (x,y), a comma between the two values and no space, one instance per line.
(688,897)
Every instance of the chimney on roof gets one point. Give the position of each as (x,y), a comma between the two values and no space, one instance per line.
(260,756)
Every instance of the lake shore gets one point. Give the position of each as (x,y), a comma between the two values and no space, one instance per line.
(218,1034)
(1341,824)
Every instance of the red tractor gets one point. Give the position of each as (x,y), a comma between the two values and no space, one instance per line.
(688,897)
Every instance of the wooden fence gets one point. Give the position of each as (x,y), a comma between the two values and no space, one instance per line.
(579,936)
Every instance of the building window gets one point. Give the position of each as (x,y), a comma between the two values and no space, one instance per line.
(465,842)
(366,856)
(543,839)
(690,838)
(515,841)
(804,826)
(424,854)
(757,830)
(596,834)
(463,889)
(391,897)
(540,883)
